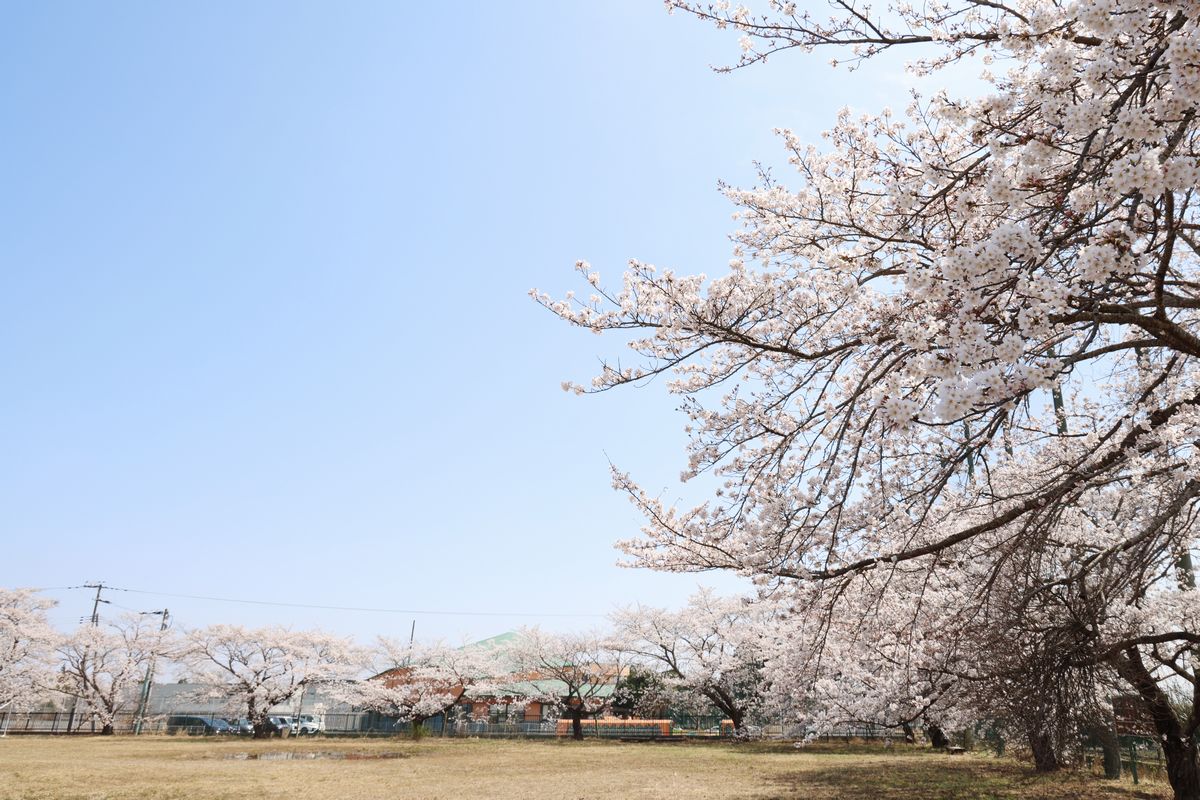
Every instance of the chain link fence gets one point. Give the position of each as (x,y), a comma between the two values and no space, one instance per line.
(352,723)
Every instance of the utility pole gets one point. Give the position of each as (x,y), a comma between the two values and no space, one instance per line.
(99,587)
(411,635)
(144,699)
(94,619)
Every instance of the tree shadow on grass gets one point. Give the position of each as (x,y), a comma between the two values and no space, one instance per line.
(958,779)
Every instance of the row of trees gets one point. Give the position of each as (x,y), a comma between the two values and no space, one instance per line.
(651,659)
(949,383)
(716,655)
(104,668)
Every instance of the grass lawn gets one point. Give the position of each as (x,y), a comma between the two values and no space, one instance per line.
(169,768)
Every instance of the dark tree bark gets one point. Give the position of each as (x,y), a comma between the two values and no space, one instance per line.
(728,706)
(1178,743)
(107,730)
(418,727)
(576,723)
(1103,733)
(1045,759)
(910,737)
(262,726)
(1182,769)
(937,737)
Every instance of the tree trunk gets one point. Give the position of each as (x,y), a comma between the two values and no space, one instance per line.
(937,737)
(1182,769)
(727,705)
(1179,748)
(1044,757)
(1103,733)
(909,736)
(577,723)
(107,730)
(262,727)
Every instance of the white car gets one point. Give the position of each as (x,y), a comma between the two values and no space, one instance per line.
(308,725)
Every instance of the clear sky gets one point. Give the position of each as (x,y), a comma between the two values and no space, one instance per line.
(264,325)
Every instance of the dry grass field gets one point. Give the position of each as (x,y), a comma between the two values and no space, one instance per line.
(153,768)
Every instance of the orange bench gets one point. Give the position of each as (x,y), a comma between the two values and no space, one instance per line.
(618,728)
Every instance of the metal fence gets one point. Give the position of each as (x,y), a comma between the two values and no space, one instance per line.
(366,723)
(1141,758)
(185,723)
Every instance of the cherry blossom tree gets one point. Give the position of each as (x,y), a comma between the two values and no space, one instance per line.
(103,665)
(578,673)
(647,693)
(26,646)
(252,670)
(423,680)
(712,647)
(963,340)
(849,659)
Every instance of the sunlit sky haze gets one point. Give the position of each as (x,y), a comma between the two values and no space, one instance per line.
(264,322)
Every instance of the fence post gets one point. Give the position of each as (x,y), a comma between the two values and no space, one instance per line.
(1133,762)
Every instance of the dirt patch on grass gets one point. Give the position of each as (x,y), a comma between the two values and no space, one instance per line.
(938,777)
(313,755)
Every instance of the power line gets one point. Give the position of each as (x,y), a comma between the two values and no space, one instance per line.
(126,608)
(437,612)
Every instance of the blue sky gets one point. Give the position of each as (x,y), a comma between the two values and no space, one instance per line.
(264,324)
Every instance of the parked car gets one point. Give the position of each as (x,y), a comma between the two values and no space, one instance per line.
(284,726)
(241,726)
(308,725)
(198,726)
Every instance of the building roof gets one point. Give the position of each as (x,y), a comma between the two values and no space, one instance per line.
(502,640)
(553,688)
